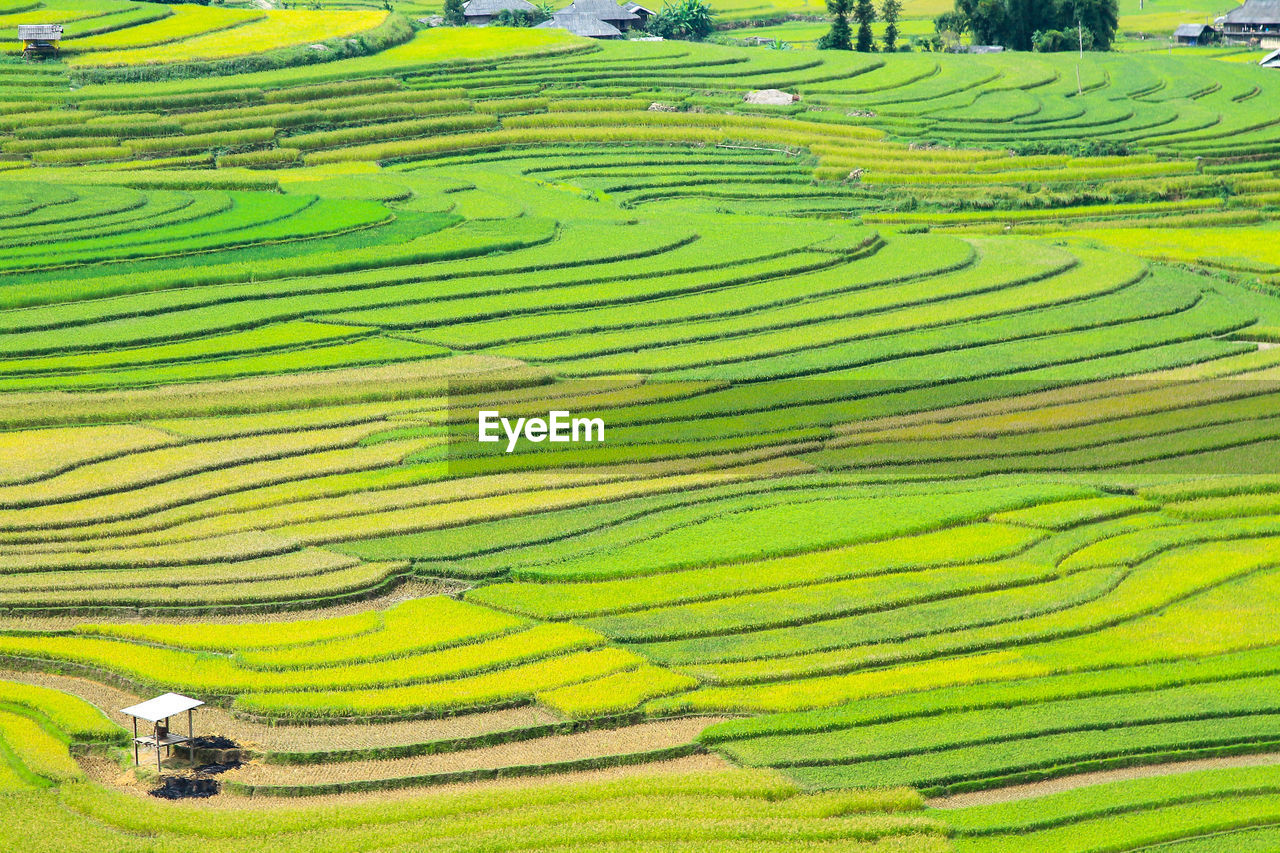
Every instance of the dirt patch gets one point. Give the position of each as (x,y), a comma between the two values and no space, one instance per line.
(770,97)
(548,750)
(1082,780)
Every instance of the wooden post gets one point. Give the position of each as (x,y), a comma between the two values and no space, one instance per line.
(189,728)
(135,741)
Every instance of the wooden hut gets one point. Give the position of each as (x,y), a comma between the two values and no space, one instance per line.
(617,17)
(39,39)
(1194,34)
(581,25)
(1257,21)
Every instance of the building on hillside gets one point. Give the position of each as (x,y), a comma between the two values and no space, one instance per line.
(480,12)
(39,39)
(1256,21)
(1194,34)
(581,25)
(603,10)
(640,12)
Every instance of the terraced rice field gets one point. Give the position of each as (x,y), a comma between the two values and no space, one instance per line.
(937,508)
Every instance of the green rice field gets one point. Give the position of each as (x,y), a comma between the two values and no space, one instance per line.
(938,502)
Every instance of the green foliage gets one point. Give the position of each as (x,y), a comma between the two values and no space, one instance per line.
(692,20)
(1027,25)
(889,13)
(864,12)
(521,17)
(839,37)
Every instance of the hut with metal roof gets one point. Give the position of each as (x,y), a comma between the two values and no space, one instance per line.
(157,711)
(642,13)
(39,40)
(581,25)
(603,10)
(1256,20)
(1194,34)
(479,12)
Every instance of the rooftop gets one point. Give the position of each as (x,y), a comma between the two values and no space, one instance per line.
(601,10)
(493,7)
(580,25)
(161,707)
(1255,12)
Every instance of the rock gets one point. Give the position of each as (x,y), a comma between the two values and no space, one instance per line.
(656,107)
(771,97)
(319,47)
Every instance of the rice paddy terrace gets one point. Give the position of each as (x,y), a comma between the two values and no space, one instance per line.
(939,478)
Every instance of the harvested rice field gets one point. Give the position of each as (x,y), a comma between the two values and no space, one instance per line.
(504,440)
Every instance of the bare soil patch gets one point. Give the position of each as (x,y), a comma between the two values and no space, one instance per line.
(548,750)
(1082,780)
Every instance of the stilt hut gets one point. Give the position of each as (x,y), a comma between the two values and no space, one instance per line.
(157,711)
(39,40)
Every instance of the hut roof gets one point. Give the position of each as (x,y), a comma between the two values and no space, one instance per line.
(161,707)
(1255,12)
(581,25)
(50,32)
(601,10)
(1191,30)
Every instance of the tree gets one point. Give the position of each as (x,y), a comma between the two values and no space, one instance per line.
(1101,18)
(889,11)
(1049,41)
(865,12)
(988,20)
(839,37)
(954,22)
(453,13)
(1044,25)
(521,17)
(692,20)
